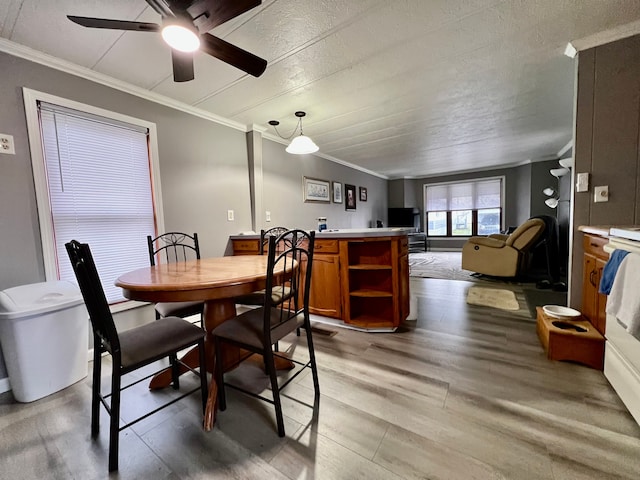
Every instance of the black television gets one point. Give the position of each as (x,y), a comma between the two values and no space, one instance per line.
(402,217)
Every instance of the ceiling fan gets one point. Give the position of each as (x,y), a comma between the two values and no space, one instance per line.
(185,24)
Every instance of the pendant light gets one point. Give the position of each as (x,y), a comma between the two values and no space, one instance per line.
(300,144)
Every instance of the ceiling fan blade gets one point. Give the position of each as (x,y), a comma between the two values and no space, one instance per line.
(208,14)
(239,58)
(114,24)
(182,66)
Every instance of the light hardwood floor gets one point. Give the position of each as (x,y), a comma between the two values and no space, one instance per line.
(464,392)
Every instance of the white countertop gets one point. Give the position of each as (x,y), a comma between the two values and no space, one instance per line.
(347,233)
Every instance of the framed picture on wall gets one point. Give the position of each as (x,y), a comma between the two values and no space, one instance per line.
(350,197)
(337,192)
(316,190)
(363,194)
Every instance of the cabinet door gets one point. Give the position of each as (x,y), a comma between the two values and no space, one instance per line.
(325,294)
(590,287)
(600,317)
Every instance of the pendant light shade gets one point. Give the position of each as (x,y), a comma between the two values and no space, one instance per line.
(300,144)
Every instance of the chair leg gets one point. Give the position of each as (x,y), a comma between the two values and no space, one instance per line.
(175,371)
(114,428)
(312,358)
(218,372)
(203,375)
(95,386)
(271,370)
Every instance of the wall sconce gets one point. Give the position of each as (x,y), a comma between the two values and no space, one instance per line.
(300,144)
(559,172)
(566,162)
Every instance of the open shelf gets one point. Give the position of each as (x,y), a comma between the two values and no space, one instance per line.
(370,293)
(370,267)
(370,253)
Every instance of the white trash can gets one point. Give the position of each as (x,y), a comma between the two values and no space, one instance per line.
(44,338)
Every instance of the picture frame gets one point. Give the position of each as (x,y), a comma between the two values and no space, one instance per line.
(336,188)
(363,194)
(350,197)
(316,190)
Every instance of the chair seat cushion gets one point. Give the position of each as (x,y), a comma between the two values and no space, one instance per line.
(179,309)
(279,294)
(156,340)
(247,327)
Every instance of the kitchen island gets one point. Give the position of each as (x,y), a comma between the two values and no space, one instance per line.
(360,276)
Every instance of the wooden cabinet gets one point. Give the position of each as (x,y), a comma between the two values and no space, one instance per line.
(593,302)
(363,281)
(373,282)
(248,246)
(326,290)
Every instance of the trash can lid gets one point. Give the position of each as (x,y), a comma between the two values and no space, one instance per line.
(36,298)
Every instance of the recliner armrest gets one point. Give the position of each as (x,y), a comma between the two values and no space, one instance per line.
(487,242)
(499,236)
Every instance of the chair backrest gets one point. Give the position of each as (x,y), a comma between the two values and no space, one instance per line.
(526,234)
(93,294)
(266,234)
(173,247)
(291,252)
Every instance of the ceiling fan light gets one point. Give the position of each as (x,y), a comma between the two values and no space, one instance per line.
(181,38)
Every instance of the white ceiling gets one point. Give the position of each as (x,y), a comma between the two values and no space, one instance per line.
(398,87)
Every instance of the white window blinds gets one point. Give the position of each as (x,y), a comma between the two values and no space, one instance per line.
(100,191)
(470,195)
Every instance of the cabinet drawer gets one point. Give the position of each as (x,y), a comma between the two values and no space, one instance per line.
(246,247)
(326,246)
(595,246)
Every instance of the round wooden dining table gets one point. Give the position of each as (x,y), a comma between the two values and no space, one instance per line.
(216,281)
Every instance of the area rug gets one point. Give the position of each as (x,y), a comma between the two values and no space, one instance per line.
(445,265)
(493,297)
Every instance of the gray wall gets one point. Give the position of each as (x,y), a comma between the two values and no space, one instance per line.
(283,194)
(606,142)
(517,196)
(204,172)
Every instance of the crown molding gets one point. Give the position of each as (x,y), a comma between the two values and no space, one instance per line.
(18,50)
(276,139)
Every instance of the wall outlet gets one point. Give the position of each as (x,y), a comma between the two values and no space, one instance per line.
(601,194)
(582,182)
(267,216)
(230,215)
(6,144)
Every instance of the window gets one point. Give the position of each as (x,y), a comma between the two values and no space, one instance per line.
(94,183)
(462,209)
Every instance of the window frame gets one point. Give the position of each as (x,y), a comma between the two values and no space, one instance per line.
(474,211)
(47,236)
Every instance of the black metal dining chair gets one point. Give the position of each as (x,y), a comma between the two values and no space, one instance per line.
(281,293)
(175,247)
(258,330)
(129,350)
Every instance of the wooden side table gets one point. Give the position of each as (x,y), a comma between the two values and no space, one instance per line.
(572,340)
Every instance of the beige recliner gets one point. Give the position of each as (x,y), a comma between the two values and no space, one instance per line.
(502,255)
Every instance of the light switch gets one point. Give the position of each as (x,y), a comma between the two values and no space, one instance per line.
(230,215)
(582,182)
(601,194)
(267,216)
